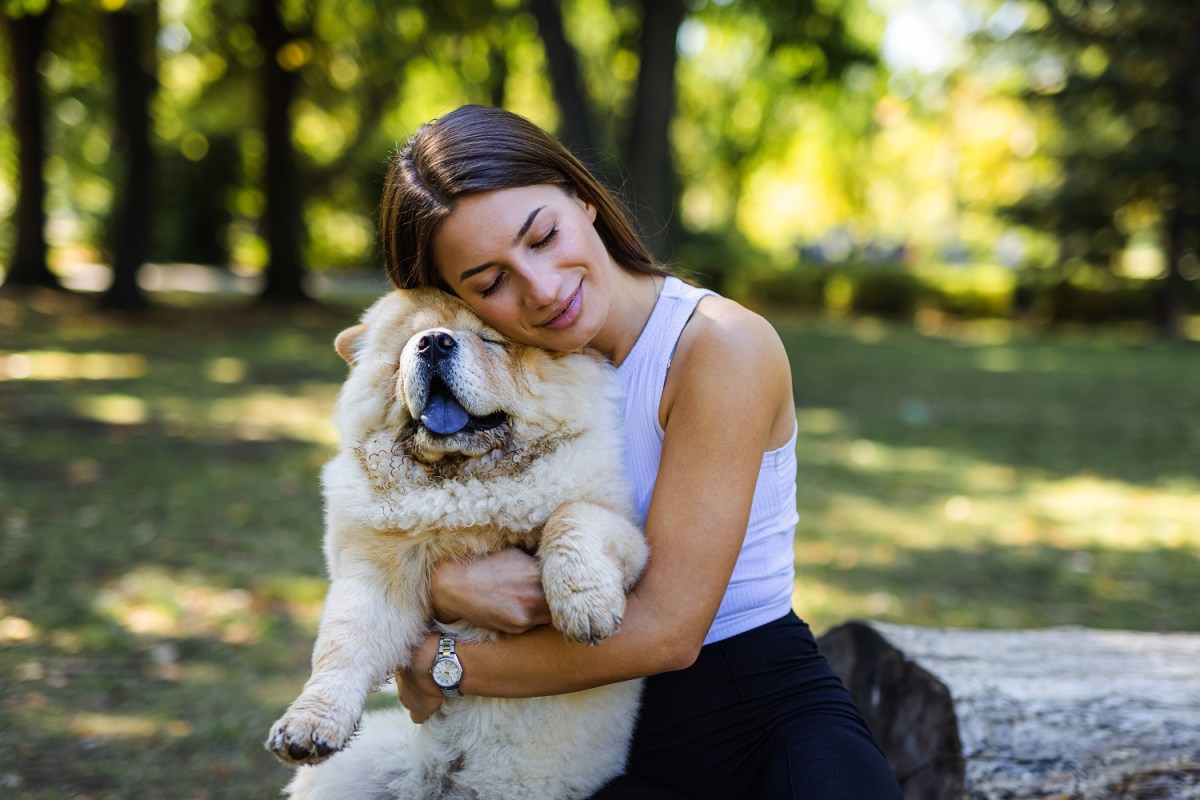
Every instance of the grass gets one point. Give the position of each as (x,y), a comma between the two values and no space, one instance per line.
(160,568)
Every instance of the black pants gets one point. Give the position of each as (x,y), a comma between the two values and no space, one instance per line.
(759,716)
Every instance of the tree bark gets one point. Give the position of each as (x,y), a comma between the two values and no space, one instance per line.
(132,33)
(648,151)
(284,215)
(1071,713)
(27,43)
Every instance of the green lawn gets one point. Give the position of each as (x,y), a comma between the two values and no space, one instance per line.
(160,568)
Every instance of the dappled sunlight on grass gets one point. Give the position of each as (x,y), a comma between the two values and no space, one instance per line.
(152,601)
(226,370)
(255,416)
(266,415)
(1088,510)
(54,365)
(931,536)
(160,530)
(301,414)
(96,728)
(975,475)
(952,498)
(113,409)
(14,630)
(824,605)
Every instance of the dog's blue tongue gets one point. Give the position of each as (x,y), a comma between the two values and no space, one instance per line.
(443,415)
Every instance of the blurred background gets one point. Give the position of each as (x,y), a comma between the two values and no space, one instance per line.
(976,157)
(975,224)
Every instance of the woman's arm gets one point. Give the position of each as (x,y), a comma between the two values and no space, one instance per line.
(727,400)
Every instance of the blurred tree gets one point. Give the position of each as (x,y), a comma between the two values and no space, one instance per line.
(648,153)
(27,25)
(801,44)
(645,157)
(771,137)
(579,131)
(285,51)
(1123,80)
(133,30)
(338,83)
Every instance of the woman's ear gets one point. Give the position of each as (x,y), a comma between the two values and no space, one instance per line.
(349,343)
(584,201)
(587,205)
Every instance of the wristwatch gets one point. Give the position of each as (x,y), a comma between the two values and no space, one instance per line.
(447,669)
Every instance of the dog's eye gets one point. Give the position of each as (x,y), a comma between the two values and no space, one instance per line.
(496,342)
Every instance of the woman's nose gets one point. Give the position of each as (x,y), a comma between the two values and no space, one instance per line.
(541,286)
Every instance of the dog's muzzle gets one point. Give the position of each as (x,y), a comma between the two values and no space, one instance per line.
(443,414)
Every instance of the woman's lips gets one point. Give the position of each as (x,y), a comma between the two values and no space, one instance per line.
(570,312)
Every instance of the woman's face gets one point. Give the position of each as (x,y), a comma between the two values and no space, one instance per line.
(529,261)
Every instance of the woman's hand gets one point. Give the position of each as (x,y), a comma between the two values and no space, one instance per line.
(415,687)
(500,592)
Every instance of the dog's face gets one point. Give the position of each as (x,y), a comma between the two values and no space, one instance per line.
(450,385)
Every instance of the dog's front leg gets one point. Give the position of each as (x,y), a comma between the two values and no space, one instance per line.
(363,635)
(590,558)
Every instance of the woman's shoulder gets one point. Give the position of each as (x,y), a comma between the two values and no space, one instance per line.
(731,361)
(722,329)
(728,344)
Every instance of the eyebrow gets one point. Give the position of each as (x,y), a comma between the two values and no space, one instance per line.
(524,229)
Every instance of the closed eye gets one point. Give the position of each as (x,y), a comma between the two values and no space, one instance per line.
(496,342)
(493,286)
(545,240)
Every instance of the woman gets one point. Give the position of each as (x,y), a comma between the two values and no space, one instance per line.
(739,703)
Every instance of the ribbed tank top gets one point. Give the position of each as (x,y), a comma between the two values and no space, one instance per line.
(760,589)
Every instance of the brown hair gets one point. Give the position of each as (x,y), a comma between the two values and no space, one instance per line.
(482,149)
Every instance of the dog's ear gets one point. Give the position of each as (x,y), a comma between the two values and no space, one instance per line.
(349,343)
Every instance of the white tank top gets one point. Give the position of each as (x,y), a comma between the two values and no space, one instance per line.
(760,589)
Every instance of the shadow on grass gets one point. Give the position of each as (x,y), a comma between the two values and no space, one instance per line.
(1101,403)
(135,725)
(1017,587)
(160,527)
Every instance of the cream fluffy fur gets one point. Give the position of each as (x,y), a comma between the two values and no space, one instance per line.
(548,477)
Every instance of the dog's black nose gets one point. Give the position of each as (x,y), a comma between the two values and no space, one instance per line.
(436,345)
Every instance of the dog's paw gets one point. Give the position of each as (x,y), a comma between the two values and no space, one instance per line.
(309,735)
(585,613)
(582,573)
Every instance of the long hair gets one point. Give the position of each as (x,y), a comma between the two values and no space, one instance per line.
(481,149)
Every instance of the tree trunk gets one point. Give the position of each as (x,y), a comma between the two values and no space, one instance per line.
(1183,221)
(579,131)
(648,152)
(497,68)
(284,215)
(1070,714)
(27,43)
(133,31)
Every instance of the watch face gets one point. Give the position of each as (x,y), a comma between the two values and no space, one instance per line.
(446,672)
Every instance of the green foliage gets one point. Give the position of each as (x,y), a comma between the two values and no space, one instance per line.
(369,73)
(21,8)
(1094,296)
(892,291)
(1118,79)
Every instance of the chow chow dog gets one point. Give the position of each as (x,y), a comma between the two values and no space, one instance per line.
(456,442)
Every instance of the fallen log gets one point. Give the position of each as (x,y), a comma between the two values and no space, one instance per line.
(1064,713)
